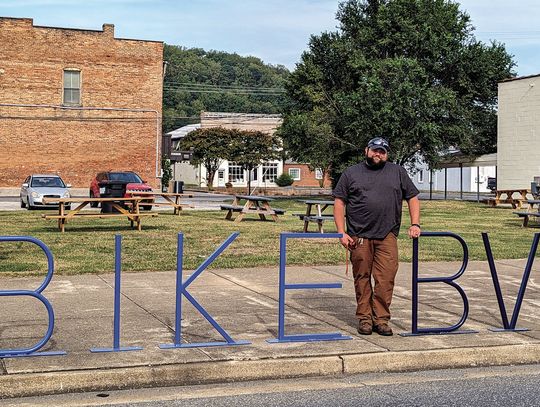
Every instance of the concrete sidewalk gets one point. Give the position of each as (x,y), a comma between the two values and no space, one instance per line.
(245,304)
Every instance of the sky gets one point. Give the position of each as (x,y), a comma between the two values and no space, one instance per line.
(277,31)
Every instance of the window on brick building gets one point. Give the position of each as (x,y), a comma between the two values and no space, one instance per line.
(295,173)
(318,173)
(72,87)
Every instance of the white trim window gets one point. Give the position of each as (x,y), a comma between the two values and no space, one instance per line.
(72,87)
(318,173)
(421,176)
(269,171)
(236,173)
(295,173)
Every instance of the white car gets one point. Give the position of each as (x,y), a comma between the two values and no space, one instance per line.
(38,186)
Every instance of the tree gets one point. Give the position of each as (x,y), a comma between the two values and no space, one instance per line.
(166,175)
(311,139)
(408,70)
(251,148)
(211,146)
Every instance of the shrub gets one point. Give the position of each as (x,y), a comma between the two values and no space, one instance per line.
(284,180)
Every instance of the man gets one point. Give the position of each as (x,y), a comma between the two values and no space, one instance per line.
(373,192)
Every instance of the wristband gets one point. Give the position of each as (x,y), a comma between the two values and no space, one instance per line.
(417,225)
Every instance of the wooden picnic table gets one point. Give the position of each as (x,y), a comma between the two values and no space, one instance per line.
(531,212)
(509,199)
(125,207)
(168,196)
(254,204)
(315,213)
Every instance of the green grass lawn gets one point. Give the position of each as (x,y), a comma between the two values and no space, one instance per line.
(87,246)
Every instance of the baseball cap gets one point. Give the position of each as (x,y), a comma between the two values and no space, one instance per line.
(379,142)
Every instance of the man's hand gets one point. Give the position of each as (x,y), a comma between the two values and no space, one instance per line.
(414,231)
(346,240)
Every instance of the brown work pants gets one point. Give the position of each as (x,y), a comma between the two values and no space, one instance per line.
(377,258)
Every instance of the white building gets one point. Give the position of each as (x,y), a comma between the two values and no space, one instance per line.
(458,174)
(261,177)
(518,131)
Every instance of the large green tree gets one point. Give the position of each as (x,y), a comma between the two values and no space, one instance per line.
(409,70)
(197,80)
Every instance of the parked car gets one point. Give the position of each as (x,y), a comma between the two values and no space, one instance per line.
(38,186)
(118,184)
(492,184)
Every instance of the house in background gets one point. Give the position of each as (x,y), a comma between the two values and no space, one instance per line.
(75,102)
(458,173)
(262,177)
(304,177)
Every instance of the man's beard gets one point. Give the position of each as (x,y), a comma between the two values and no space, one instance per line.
(374,165)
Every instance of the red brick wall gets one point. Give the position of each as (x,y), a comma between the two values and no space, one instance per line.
(307,177)
(115,74)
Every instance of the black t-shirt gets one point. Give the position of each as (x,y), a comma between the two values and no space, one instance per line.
(374,198)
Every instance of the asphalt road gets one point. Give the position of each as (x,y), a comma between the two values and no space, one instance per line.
(508,385)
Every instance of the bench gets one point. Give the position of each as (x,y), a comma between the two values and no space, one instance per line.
(134,218)
(516,203)
(238,208)
(319,219)
(526,216)
(234,208)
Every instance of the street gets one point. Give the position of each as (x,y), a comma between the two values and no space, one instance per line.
(506,385)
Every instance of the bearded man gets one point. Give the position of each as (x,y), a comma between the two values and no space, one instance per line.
(371,195)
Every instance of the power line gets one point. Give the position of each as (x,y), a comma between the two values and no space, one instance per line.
(223,91)
(242,87)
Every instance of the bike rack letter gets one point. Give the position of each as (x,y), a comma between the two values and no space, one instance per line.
(181,290)
(515,314)
(415,331)
(31,351)
(283,286)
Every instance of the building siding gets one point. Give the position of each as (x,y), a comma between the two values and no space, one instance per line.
(117,124)
(518,144)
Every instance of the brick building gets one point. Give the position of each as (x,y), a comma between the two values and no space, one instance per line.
(75,102)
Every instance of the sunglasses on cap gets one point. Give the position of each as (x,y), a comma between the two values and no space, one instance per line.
(379,143)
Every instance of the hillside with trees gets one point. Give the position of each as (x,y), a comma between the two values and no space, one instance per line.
(197,80)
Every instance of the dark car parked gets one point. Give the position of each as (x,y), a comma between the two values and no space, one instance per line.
(118,184)
(492,184)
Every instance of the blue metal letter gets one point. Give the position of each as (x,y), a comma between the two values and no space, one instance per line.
(4,353)
(512,325)
(181,290)
(415,331)
(283,286)
(116,324)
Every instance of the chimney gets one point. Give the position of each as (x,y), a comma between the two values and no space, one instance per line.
(108,29)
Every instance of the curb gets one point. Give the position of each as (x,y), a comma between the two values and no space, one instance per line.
(34,384)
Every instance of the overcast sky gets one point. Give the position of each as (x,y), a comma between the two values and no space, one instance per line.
(277,31)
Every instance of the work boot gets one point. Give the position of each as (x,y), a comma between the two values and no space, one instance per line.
(383,329)
(364,328)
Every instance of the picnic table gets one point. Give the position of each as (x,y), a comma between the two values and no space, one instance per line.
(315,213)
(171,199)
(254,204)
(531,213)
(124,207)
(509,199)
